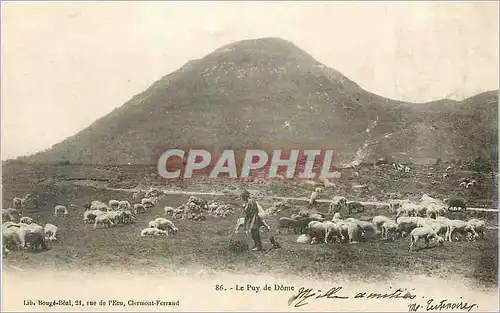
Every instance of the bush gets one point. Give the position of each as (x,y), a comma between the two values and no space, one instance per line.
(481,165)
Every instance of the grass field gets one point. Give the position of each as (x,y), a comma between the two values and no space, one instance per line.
(205,243)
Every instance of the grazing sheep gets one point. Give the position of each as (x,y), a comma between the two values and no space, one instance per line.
(163,224)
(317,216)
(104,219)
(390,227)
(32,235)
(124,205)
(336,217)
(353,230)
(60,209)
(332,230)
(90,215)
(420,210)
(17,203)
(35,241)
(50,232)
(458,227)
(126,217)
(13,212)
(137,195)
(304,239)
(113,204)
(98,205)
(338,204)
(315,196)
(425,233)
(153,192)
(6,215)
(11,239)
(169,210)
(407,209)
(439,227)
(288,223)
(434,210)
(153,232)
(379,220)
(8,224)
(26,220)
(114,216)
(317,231)
(368,230)
(139,208)
(477,227)
(355,207)
(147,202)
(406,224)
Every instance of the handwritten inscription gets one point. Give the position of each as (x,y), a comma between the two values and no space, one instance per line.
(441,305)
(306,295)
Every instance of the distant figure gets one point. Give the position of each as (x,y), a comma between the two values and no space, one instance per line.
(314,196)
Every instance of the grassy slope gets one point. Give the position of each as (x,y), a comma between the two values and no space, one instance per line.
(205,243)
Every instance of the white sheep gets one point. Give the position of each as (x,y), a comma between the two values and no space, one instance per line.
(98,205)
(379,220)
(50,232)
(304,239)
(367,228)
(104,219)
(338,204)
(336,217)
(477,227)
(147,202)
(407,209)
(332,230)
(90,215)
(17,203)
(6,216)
(124,205)
(139,208)
(163,224)
(390,227)
(168,210)
(425,233)
(457,226)
(26,220)
(153,232)
(113,204)
(32,235)
(11,238)
(317,231)
(406,224)
(60,209)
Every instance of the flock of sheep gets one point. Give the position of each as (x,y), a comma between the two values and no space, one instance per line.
(423,220)
(28,234)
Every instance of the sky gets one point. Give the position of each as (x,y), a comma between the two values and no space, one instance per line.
(66,64)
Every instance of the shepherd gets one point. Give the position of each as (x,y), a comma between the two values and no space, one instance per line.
(254,221)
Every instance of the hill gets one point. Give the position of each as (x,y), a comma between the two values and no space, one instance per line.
(268,92)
